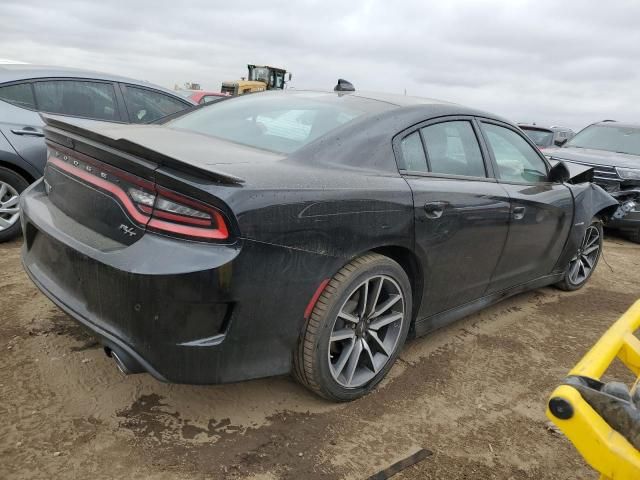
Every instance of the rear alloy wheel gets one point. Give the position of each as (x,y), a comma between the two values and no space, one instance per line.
(356,329)
(585,260)
(11,185)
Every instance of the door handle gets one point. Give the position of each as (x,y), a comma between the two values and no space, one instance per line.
(27,131)
(434,209)
(518,213)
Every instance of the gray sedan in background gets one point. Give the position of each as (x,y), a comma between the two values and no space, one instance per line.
(27,90)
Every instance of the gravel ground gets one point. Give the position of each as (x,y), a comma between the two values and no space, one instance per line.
(473,393)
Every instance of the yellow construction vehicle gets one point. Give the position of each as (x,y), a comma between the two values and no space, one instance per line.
(602,420)
(260,78)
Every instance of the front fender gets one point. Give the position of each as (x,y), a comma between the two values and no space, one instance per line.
(589,201)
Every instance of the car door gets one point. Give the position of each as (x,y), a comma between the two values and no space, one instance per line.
(461,212)
(541,211)
(21,124)
(78,98)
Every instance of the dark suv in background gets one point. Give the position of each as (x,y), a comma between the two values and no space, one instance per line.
(26,90)
(613,150)
(547,137)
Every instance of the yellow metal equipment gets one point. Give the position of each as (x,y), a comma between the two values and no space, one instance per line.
(605,449)
(260,78)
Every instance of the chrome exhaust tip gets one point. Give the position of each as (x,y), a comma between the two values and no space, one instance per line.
(126,364)
(120,365)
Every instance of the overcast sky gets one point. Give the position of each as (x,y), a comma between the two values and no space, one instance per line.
(557,62)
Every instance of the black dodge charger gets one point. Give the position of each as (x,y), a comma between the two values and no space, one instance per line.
(298,231)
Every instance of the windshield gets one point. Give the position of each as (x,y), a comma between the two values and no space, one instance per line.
(280,123)
(542,138)
(611,138)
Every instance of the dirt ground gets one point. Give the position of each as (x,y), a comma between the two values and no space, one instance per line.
(473,393)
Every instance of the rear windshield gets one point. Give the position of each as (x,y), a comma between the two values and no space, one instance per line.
(610,137)
(280,123)
(541,138)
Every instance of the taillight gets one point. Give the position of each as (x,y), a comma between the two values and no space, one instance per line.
(155,207)
(174,213)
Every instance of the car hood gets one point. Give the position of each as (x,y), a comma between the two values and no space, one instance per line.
(596,157)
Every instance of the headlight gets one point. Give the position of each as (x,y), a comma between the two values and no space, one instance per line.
(628,173)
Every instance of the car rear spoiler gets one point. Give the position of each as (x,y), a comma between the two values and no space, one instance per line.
(68,134)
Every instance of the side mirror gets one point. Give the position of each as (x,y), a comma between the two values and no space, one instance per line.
(559,173)
(290,75)
(559,143)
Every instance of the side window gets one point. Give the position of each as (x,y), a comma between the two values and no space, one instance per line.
(517,160)
(77,98)
(147,106)
(452,148)
(413,153)
(19,94)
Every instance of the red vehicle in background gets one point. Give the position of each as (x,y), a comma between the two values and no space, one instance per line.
(202,96)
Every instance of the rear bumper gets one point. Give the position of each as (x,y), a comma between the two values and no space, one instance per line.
(186,312)
(106,338)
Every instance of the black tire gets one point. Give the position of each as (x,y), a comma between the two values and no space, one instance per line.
(312,360)
(18,183)
(570,284)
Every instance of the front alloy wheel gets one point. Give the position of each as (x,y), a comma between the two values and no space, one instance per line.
(584,262)
(356,329)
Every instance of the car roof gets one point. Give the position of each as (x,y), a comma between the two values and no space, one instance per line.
(399,101)
(395,99)
(17,72)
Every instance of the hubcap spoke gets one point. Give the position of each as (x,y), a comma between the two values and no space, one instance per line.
(380,322)
(376,338)
(575,266)
(590,250)
(344,334)
(5,223)
(391,301)
(354,358)
(3,189)
(587,261)
(376,287)
(592,239)
(12,202)
(362,301)
(367,349)
(348,317)
(342,361)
